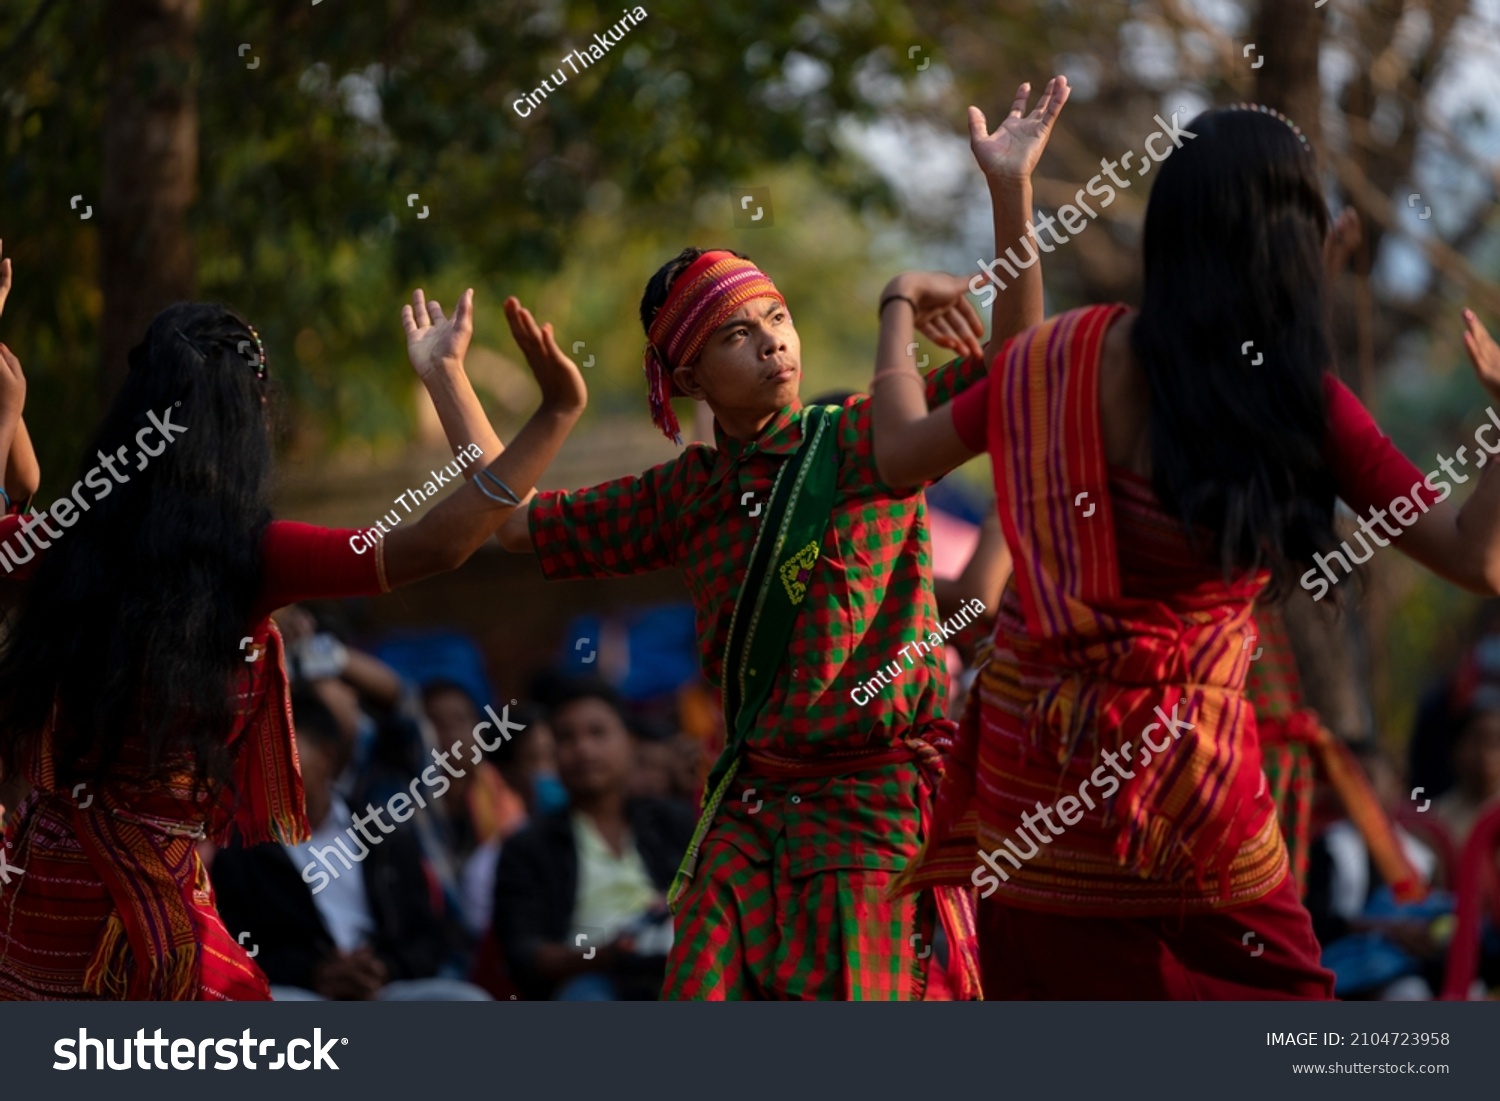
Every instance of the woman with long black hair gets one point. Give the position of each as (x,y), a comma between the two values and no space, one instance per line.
(1157,473)
(143,693)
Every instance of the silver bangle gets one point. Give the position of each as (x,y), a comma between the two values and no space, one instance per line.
(510,497)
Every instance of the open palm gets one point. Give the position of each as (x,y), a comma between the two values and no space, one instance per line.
(1013,150)
(4,279)
(1484,352)
(558,376)
(432,339)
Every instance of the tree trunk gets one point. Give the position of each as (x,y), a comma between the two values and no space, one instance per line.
(1288,36)
(150,171)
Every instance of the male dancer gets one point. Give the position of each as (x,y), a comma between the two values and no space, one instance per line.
(812,582)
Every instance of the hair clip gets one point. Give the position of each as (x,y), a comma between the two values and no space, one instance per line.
(1263,109)
(260,352)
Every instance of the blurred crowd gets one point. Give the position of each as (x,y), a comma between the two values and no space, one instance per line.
(456,857)
(1444,798)
(470,847)
(467,846)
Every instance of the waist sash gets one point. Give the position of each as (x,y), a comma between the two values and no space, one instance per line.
(1121,663)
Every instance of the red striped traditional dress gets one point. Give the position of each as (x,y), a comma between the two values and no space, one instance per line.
(112,900)
(1166,875)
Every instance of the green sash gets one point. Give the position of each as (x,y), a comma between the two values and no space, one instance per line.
(781,563)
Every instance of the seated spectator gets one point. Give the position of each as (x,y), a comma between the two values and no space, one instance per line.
(528,767)
(482,808)
(528,762)
(689,768)
(580,910)
(358,688)
(651,773)
(1473,684)
(366,931)
(1376,947)
(1476,774)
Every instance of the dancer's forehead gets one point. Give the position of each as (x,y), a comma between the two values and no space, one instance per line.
(757,309)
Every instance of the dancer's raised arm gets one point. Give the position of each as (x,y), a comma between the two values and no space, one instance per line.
(1463,544)
(913,446)
(457,527)
(20,475)
(12,402)
(539,345)
(1008,157)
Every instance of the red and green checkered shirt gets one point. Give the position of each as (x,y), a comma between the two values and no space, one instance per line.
(869,596)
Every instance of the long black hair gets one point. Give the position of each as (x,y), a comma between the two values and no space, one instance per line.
(132,624)
(1233,336)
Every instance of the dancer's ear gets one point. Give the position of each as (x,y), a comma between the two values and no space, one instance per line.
(686,378)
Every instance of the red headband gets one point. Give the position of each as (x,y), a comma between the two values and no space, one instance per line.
(717,284)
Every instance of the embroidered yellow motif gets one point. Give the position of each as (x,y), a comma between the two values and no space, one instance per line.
(796,570)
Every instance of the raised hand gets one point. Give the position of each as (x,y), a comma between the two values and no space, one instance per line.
(4,279)
(12,389)
(1011,153)
(562,383)
(433,340)
(1484,352)
(944,313)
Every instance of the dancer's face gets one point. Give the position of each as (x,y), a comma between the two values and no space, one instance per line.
(750,367)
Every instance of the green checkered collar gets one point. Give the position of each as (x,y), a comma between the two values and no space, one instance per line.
(782,436)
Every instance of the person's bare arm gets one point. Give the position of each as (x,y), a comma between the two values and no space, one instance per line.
(20,473)
(983,578)
(12,402)
(437,347)
(23,474)
(515,533)
(454,529)
(1008,157)
(1463,544)
(912,446)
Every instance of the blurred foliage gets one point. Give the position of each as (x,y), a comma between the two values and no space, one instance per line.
(306,162)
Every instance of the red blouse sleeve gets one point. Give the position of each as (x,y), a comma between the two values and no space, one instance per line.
(971,415)
(1369,471)
(304,562)
(13,545)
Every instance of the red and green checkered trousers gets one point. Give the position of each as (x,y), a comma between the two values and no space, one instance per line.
(766,917)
